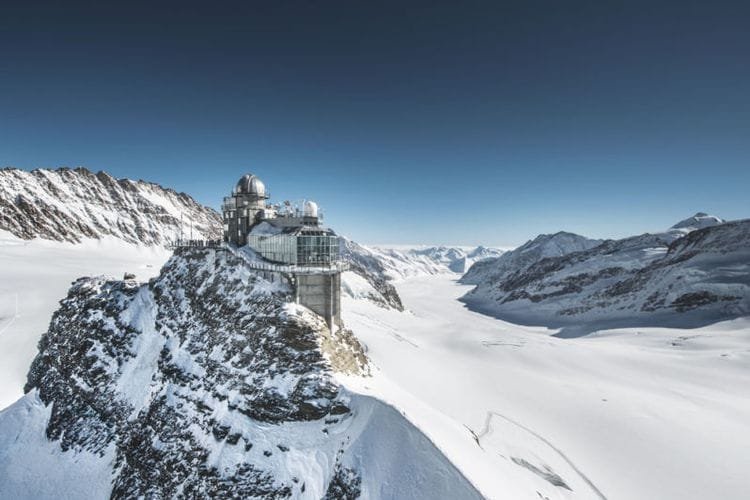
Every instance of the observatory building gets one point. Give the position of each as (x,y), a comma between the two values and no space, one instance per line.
(291,239)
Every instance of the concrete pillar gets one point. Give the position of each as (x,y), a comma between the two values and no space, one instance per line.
(322,294)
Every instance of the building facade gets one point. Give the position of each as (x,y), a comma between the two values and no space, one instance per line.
(290,236)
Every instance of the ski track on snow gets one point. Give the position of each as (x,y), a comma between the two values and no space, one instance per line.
(488,429)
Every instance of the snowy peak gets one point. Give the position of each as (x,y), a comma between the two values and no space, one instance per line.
(75,204)
(698,221)
(560,243)
(541,247)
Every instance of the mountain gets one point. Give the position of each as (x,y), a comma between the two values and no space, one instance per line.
(681,277)
(368,278)
(374,269)
(207,381)
(456,259)
(697,221)
(543,246)
(76,204)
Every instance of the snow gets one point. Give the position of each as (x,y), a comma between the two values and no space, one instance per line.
(37,274)
(74,475)
(697,221)
(628,413)
(137,372)
(355,286)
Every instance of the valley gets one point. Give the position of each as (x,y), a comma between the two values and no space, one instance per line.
(627,413)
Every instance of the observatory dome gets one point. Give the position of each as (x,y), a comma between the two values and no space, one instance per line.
(250,184)
(311,209)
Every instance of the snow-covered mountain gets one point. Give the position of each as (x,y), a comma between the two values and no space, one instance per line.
(543,246)
(76,204)
(206,382)
(682,277)
(697,221)
(405,262)
(374,269)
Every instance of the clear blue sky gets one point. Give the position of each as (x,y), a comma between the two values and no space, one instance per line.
(456,122)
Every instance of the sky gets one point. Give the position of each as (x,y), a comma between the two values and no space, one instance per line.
(408,122)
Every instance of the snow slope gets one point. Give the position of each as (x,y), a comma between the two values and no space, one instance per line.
(35,275)
(647,413)
(76,204)
(677,278)
(206,382)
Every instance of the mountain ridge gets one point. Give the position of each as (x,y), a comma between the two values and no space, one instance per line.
(71,205)
(685,277)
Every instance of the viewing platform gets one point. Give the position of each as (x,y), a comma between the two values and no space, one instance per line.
(263,265)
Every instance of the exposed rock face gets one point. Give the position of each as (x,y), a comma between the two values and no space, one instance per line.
(647,279)
(367,265)
(207,382)
(219,347)
(71,205)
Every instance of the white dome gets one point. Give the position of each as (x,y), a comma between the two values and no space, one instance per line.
(250,184)
(311,209)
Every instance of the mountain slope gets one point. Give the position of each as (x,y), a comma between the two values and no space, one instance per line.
(675,278)
(73,205)
(543,246)
(206,382)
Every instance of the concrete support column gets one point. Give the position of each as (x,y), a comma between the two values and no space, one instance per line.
(322,294)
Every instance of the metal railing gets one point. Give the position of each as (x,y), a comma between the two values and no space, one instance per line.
(327,268)
(183,243)
(332,268)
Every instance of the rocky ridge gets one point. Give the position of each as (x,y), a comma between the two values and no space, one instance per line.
(72,205)
(702,275)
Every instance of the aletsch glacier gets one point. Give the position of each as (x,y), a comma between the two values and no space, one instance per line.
(119,355)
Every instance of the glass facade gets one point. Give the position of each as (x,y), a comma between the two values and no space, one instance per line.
(300,249)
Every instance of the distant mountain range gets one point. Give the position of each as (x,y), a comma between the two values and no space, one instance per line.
(377,267)
(695,273)
(73,205)
(76,204)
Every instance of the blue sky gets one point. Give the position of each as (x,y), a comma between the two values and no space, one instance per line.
(455,123)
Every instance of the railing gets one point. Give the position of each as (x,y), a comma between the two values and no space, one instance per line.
(181,243)
(332,268)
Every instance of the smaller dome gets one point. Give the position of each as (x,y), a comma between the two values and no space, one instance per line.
(310,209)
(250,184)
